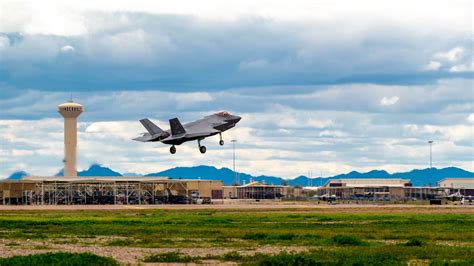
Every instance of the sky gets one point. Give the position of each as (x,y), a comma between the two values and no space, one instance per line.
(322,86)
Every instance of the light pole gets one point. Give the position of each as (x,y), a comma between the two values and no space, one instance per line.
(431,162)
(233,156)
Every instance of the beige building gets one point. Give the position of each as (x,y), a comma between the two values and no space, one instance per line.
(377,189)
(259,190)
(229,192)
(205,189)
(42,190)
(465,186)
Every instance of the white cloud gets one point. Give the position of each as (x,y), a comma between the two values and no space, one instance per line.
(387,101)
(432,66)
(452,55)
(470,118)
(67,49)
(463,67)
(67,17)
(4,42)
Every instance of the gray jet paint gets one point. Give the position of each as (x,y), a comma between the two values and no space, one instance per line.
(198,130)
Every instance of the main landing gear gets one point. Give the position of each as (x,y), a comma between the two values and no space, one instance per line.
(221,142)
(202,149)
(173,149)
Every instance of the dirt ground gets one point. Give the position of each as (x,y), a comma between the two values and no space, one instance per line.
(271,206)
(126,255)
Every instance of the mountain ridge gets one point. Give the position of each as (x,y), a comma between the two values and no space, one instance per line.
(418,177)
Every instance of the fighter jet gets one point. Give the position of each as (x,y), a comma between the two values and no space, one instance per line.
(198,130)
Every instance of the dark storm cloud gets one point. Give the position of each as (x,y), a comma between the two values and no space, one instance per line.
(131,51)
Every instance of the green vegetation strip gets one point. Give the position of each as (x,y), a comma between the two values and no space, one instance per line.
(353,256)
(331,237)
(59,258)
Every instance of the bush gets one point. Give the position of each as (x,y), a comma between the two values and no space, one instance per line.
(414,242)
(232,256)
(254,236)
(346,240)
(169,257)
(263,236)
(284,258)
(59,258)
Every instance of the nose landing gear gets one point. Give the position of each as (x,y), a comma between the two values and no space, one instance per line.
(221,142)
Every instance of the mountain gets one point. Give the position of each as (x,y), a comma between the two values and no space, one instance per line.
(98,170)
(210,172)
(418,177)
(17,175)
(421,177)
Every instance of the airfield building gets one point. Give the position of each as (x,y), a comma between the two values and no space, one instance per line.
(377,189)
(464,186)
(42,190)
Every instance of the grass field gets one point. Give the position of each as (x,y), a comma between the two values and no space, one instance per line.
(252,236)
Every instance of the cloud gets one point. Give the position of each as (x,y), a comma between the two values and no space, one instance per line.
(387,101)
(67,49)
(432,66)
(318,85)
(470,118)
(324,127)
(468,67)
(452,55)
(129,50)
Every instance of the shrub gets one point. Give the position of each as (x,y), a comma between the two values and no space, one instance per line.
(263,236)
(232,256)
(254,236)
(59,258)
(284,258)
(346,240)
(169,257)
(414,242)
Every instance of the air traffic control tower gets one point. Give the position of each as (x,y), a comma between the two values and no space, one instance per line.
(70,111)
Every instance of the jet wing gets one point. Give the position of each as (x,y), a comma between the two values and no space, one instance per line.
(201,134)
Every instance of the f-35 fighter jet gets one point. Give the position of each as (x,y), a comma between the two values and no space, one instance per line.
(198,130)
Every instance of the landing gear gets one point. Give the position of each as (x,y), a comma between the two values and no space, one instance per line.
(202,149)
(221,142)
(173,149)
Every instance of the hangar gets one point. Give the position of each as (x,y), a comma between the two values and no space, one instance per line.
(465,186)
(43,190)
(377,189)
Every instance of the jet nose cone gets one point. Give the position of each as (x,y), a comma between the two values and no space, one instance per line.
(234,119)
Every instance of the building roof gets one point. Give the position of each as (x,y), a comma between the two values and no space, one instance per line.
(369,182)
(457,182)
(257,184)
(102,179)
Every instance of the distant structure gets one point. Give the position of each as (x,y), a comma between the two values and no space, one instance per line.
(70,111)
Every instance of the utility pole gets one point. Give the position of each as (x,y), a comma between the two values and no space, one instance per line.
(233,156)
(431,161)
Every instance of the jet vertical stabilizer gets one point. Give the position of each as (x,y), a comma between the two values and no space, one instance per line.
(150,127)
(176,127)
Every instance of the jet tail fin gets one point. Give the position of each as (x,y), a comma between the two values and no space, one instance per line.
(176,127)
(150,127)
